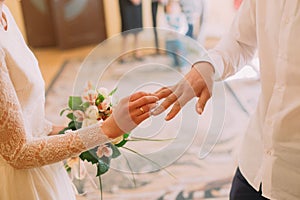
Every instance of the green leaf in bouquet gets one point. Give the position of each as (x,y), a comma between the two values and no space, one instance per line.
(85,105)
(116,152)
(75,102)
(68,168)
(99,99)
(64,110)
(102,167)
(124,141)
(78,125)
(70,116)
(72,125)
(88,156)
(112,92)
(63,131)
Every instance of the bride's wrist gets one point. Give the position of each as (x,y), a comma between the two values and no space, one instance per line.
(110,128)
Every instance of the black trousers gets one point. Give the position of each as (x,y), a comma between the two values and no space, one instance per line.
(154,21)
(242,190)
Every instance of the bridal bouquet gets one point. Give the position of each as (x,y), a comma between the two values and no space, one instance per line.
(93,106)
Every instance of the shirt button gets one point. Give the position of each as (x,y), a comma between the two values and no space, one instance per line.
(287,20)
(270,152)
(269,122)
(282,56)
(280,88)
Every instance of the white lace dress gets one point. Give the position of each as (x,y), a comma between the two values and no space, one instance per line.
(30,166)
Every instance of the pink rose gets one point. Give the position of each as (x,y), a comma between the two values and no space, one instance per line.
(104,150)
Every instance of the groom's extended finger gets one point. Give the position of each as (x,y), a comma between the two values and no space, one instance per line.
(163,92)
(181,101)
(165,104)
(175,109)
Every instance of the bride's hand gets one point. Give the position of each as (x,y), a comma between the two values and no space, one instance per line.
(129,113)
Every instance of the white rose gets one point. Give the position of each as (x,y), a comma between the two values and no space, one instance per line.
(103,91)
(92,112)
(79,115)
(88,122)
(90,96)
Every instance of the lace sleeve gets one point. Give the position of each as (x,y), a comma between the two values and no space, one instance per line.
(22,153)
(48,127)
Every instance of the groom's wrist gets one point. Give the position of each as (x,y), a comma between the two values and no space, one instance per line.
(204,67)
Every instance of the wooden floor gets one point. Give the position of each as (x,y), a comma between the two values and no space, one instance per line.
(51,59)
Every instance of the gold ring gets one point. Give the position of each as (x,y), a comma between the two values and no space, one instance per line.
(142,110)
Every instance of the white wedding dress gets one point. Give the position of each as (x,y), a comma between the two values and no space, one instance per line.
(30,161)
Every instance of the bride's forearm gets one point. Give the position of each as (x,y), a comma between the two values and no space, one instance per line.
(56,148)
(111,129)
(55,130)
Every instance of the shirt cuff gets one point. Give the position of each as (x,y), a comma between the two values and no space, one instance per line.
(216,61)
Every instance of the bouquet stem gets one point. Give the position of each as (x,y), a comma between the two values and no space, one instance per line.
(100,186)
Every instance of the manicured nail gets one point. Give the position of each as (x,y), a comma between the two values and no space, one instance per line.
(199,110)
(157,110)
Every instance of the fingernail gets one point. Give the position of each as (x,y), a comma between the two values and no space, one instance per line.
(199,110)
(156,111)
(160,109)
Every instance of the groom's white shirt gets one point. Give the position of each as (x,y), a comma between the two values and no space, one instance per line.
(270,151)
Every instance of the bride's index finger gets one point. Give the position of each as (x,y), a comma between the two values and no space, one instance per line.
(144,100)
(137,95)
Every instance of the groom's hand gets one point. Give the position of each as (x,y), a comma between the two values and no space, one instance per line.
(197,83)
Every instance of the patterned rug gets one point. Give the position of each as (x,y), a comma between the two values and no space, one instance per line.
(199,174)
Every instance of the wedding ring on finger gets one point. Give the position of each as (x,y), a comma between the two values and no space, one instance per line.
(142,110)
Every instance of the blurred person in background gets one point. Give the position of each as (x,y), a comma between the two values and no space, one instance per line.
(194,11)
(154,8)
(131,23)
(175,21)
